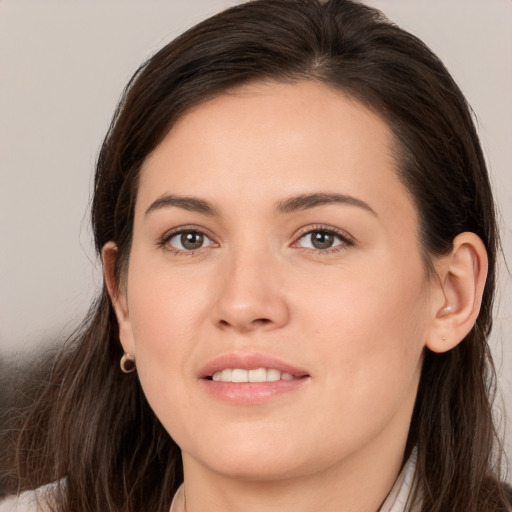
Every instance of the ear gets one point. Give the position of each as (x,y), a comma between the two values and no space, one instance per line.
(117,293)
(460,286)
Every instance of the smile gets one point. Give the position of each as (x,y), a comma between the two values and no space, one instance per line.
(251,378)
(256,375)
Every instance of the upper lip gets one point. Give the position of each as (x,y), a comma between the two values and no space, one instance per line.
(250,361)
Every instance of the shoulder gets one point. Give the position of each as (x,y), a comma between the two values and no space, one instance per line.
(29,501)
(25,502)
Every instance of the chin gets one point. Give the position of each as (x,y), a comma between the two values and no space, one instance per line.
(260,470)
(253,460)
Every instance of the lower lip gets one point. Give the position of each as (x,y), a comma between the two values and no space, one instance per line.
(249,393)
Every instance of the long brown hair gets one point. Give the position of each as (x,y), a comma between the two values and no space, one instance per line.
(93,429)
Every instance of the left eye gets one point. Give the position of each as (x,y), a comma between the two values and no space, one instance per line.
(320,239)
(189,240)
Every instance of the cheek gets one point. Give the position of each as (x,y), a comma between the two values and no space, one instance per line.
(368,344)
(165,316)
(369,326)
(163,306)
(392,304)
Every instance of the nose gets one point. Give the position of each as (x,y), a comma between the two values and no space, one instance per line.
(250,296)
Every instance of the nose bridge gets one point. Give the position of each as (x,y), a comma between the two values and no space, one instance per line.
(250,296)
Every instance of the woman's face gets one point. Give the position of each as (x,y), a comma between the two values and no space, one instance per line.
(273,237)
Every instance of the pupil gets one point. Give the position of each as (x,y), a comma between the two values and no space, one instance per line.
(322,240)
(192,240)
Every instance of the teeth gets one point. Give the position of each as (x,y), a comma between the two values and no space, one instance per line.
(226,375)
(240,375)
(257,375)
(273,375)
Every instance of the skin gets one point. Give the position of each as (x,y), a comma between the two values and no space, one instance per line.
(356,317)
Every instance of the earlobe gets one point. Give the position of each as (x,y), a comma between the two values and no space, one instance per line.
(462,275)
(109,255)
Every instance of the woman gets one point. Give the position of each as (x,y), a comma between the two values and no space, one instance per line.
(299,244)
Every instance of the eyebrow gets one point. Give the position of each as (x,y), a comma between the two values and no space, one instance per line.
(191,204)
(290,205)
(306,201)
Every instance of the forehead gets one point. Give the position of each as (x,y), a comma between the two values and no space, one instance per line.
(259,142)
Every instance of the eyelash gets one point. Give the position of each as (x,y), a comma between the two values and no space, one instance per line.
(167,237)
(345,240)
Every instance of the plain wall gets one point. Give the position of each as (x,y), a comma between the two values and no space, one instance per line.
(63,65)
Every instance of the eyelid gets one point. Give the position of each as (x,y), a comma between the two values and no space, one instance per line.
(168,235)
(347,239)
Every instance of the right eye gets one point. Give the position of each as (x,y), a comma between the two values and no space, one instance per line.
(321,239)
(188,240)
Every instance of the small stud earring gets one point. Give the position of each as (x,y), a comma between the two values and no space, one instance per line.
(127,363)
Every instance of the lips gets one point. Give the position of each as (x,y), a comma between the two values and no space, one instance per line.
(251,379)
(250,363)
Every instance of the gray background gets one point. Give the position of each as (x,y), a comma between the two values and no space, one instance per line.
(63,65)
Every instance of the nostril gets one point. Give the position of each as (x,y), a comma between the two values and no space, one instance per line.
(261,321)
(246,326)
